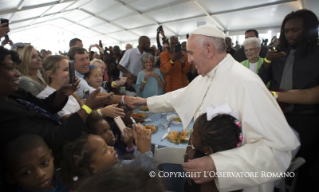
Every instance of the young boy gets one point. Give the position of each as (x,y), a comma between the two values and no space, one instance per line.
(99,126)
(29,165)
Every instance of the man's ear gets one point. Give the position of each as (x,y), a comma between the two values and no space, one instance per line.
(10,179)
(209,50)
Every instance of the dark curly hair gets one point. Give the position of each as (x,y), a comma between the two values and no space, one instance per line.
(311,25)
(221,133)
(75,160)
(122,179)
(14,55)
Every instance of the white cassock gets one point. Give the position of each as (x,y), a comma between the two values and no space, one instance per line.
(268,139)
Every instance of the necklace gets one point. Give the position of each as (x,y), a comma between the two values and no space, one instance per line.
(211,80)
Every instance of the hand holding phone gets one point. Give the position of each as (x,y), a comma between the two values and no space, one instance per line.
(7,25)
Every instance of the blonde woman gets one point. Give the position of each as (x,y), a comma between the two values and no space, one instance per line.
(56,73)
(31,79)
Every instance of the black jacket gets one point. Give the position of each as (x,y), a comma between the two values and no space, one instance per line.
(16,120)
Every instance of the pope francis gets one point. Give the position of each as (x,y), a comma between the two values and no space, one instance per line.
(267,138)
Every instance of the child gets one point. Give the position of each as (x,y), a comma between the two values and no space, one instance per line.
(221,133)
(29,165)
(99,126)
(129,89)
(122,179)
(90,154)
(95,79)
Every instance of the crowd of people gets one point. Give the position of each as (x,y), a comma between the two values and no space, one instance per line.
(252,106)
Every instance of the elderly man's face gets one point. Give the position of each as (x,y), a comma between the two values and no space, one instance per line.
(196,56)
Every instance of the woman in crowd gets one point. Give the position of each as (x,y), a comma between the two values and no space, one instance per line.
(31,79)
(102,66)
(150,80)
(252,47)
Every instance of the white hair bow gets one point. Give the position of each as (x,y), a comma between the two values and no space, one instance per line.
(220,109)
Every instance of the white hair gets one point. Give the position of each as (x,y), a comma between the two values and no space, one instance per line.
(218,43)
(97,60)
(252,40)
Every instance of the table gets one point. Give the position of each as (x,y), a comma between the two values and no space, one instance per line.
(157,136)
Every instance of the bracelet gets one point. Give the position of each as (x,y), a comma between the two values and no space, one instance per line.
(266,60)
(130,150)
(144,81)
(100,112)
(123,99)
(274,94)
(112,85)
(87,109)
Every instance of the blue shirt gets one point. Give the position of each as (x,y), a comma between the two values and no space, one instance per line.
(151,87)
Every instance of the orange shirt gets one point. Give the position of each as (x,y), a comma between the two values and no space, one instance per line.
(175,76)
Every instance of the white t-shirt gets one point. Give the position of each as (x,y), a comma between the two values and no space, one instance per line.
(72,106)
(252,66)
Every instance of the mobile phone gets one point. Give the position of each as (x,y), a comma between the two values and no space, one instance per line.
(120,124)
(187,35)
(178,47)
(5,21)
(134,122)
(71,72)
(86,93)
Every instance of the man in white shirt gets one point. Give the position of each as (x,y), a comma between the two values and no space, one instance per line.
(131,60)
(267,138)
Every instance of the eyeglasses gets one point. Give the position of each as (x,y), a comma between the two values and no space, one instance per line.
(251,49)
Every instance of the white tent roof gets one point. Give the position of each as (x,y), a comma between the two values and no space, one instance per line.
(118,21)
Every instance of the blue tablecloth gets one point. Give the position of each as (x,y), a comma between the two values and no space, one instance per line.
(157,136)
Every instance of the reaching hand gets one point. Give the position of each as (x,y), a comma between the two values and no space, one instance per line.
(134,102)
(128,139)
(112,111)
(121,81)
(142,138)
(97,99)
(4,30)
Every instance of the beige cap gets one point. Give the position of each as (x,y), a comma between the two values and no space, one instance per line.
(209,30)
